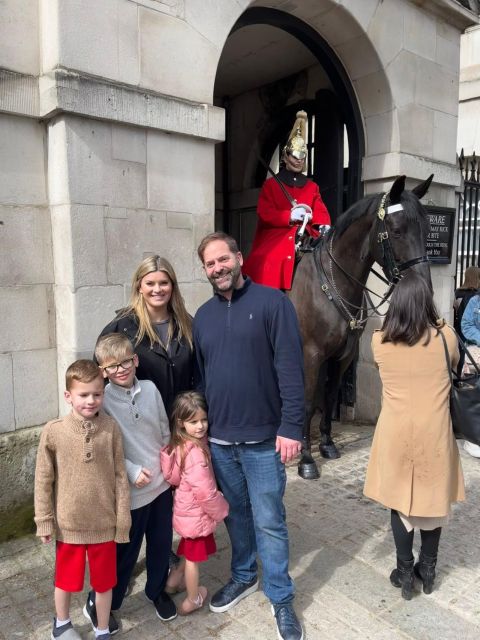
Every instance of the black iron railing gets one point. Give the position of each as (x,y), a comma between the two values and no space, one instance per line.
(468,239)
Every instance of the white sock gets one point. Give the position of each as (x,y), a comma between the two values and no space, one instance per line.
(101,632)
(61,623)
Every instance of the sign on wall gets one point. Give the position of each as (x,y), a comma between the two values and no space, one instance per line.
(440,236)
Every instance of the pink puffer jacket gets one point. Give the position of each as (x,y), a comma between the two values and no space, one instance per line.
(197,504)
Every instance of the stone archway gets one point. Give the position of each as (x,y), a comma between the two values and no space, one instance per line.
(339,37)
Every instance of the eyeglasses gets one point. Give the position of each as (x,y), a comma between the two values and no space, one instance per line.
(111,369)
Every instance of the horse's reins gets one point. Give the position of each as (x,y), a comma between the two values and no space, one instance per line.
(391,268)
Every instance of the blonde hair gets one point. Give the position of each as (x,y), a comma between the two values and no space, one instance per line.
(472,278)
(180,319)
(184,407)
(116,346)
(82,371)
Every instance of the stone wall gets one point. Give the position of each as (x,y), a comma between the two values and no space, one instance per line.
(469,107)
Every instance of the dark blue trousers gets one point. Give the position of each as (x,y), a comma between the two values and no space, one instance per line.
(154,521)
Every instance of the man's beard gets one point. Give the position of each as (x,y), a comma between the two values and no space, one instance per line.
(233,274)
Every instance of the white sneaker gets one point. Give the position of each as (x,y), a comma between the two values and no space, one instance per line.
(472,449)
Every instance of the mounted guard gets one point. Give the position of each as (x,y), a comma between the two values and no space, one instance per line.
(289,205)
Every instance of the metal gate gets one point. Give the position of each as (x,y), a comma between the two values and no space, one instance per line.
(468,240)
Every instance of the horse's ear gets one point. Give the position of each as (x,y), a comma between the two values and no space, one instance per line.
(398,187)
(421,189)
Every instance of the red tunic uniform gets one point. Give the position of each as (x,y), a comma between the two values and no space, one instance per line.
(272,258)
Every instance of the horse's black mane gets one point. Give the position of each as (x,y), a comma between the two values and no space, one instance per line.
(413,211)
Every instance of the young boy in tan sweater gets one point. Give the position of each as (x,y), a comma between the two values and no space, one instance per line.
(82,497)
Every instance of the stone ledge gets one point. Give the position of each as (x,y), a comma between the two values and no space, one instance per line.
(19,93)
(64,91)
(451,11)
(69,92)
(390,165)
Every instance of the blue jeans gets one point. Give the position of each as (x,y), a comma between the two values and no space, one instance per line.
(252,479)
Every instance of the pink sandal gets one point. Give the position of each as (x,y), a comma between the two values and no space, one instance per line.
(188,606)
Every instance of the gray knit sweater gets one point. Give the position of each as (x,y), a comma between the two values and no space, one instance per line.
(141,415)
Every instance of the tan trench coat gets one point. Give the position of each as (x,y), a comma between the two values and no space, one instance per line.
(414,464)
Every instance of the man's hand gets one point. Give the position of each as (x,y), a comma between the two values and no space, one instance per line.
(287,448)
(144,478)
(46,539)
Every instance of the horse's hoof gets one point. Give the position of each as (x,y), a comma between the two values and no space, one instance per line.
(329,451)
(308,470)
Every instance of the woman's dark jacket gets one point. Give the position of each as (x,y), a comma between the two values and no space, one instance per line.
(172,373)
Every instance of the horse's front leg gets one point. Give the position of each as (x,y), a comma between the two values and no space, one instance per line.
(327,447)
(307,467)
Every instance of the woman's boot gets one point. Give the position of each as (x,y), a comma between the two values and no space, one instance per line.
(403,577)
(425,571)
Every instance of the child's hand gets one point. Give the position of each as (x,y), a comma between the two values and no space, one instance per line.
(144,478)
(46,539)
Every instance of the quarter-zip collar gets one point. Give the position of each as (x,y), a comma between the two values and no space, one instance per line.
(237,293)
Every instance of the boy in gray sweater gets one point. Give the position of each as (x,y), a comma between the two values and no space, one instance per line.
(138,408)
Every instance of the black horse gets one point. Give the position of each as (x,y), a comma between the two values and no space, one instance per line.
(328,293)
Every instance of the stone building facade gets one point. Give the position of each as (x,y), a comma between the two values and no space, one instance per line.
(469,94)
(110,117)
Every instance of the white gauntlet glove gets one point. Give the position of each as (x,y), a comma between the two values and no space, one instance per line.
(298,213)
(323,228)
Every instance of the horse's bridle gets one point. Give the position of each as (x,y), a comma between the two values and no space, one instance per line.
(391,268)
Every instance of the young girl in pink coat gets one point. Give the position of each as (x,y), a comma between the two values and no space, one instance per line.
(198,505)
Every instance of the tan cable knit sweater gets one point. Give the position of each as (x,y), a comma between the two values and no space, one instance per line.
(81,486)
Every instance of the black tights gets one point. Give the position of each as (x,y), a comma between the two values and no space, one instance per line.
(404,539)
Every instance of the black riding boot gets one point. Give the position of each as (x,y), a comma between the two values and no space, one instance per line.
(425,571)
(403,576)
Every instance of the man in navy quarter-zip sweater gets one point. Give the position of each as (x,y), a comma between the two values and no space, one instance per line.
(250,364)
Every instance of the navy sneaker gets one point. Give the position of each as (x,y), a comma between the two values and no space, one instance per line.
(288,625)
(230,594)
(65,632)
(165,607)
(90,612)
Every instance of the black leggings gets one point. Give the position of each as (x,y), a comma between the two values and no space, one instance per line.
(404,539)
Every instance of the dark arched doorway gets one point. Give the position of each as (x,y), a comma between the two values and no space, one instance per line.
(272,65)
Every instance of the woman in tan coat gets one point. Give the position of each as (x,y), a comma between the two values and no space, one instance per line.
(414,466)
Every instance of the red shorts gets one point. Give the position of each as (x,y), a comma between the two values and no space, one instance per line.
(70,566)
(197,549)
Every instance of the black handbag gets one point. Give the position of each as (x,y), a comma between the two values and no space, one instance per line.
(464,398)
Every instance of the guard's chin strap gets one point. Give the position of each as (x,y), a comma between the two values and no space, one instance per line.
(391,268)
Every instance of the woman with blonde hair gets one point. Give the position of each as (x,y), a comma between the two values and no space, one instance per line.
(159,328)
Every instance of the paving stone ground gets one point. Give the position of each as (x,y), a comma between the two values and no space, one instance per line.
(341,557)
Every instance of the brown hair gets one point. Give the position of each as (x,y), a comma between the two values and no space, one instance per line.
(113,345)
(412,312)
(472,278)
(184,407)
(217,235)
(82,371)
(180,318)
